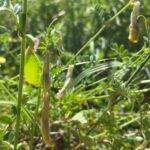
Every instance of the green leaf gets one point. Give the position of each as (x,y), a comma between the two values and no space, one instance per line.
(8,4)
(92,70)
(80,117)
(1,134)
(32,69)
(6,103)
(30,40)
(5,119)
(4,145)
(4,9)
(3,29)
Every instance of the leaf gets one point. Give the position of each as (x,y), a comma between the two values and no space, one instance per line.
(32,69)
(5,119)
(80,117)
(30,40)
(3,29)
(4,145)
(4,9)
(1,134)
(94,69)
(88,141)
(17,9)
(8,103)
(8,4)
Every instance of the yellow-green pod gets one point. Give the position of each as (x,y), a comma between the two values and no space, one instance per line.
(133,27)
(133,33)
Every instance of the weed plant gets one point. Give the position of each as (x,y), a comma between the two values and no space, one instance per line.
(74,75)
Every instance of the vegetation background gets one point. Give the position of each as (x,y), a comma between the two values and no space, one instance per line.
(99,110)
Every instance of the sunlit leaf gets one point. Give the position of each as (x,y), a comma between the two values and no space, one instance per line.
(100,67)
(32,69)
(80,117)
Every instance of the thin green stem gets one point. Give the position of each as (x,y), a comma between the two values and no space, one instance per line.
(137,70)
(99,31)
(36,116)
(8,92)
(21,72)
(146,27)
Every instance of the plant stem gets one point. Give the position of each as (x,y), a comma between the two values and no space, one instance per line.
(21,72)
(99,31)
(137,70)
(36,115)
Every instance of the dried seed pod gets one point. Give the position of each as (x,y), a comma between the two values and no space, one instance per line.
(133,33)
(62,92)
(45,110)
(46,78)
(44,122)
(133,27)
(142,146)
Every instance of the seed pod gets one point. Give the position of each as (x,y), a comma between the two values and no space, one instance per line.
(142,146)
(133,27)
(44,122)
(62,92)
(46,78)
(45,110)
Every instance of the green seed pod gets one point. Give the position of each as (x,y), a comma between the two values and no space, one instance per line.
(133,27)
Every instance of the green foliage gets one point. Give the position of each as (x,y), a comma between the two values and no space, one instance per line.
(32,68)
(106,104)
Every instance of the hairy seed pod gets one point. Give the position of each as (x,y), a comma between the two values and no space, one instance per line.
(133,27)
(46,78)
(45,110)
(44,122)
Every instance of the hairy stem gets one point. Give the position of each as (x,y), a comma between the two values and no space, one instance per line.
(21,72)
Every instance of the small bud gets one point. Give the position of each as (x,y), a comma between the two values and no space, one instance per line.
(32,41)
